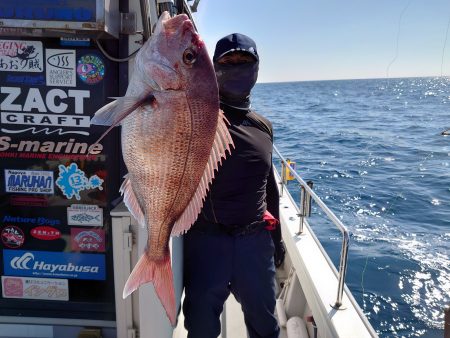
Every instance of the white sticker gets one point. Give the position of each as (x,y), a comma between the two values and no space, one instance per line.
(35,288)
(29,181)
(60,67)
(85,215)
(21,56)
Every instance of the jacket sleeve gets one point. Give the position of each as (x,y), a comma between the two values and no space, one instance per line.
(273,205)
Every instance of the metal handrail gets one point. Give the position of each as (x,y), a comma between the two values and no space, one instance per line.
(333,218)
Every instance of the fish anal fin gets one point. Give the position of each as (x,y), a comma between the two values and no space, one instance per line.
(160,273)
(222,142)
(131,201)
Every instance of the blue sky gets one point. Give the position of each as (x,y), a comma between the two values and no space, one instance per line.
(331,39)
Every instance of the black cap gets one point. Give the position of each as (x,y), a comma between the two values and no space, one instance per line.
(235,43)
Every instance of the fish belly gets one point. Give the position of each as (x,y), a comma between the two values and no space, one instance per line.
(166,151)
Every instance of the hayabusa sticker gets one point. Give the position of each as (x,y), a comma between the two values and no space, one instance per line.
(72,180)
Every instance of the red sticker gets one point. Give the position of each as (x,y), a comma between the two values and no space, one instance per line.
(12,237)
(29,201)
(45,233)
(83,239)
(12,287)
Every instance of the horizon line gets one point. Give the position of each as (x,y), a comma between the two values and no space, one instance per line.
(352,79)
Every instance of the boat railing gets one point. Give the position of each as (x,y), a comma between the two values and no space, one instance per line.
(304,211)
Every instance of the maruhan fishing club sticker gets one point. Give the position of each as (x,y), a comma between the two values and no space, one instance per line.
(28,181)
(90,69)
(72,181)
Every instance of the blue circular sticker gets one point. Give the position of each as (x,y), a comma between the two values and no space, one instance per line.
(90,69)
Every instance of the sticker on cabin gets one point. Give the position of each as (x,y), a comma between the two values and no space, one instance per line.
(35,288)
(12,237)
(70,41)
(85,215)
(72,181)
(45,233)
(25,79)
(21,56)
(37,107)
(54,264)
(32,221)
(28,201)
(87,239)
(60,68)
(90,69)
(29,181)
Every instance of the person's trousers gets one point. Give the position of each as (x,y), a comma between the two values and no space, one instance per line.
(217,264)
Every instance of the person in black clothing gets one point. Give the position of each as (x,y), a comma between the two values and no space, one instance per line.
(229,248)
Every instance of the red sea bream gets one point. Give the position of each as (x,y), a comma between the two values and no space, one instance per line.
(173,138)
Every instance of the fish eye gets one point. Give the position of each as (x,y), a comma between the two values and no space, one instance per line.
(189,56)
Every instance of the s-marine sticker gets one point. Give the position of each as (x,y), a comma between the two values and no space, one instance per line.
(90,69)
(85,215)
(29,181)
(72,180)
(60,68)
(35,288)
(42,149)
(87,239)
(12,237)
(45,233)
(21,56)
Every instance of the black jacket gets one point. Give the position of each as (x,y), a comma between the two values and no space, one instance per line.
(244,186)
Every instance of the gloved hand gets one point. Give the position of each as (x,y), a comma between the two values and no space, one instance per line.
(280,252)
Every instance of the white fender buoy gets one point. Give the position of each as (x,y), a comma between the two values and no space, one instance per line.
(296,328)
(281,313)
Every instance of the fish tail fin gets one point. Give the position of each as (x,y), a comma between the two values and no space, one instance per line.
(158,272)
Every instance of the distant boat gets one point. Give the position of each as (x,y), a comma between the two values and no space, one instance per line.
(446,132)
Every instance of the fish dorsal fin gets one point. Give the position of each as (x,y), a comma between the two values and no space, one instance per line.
(222,143)
(159,28)
(131,201)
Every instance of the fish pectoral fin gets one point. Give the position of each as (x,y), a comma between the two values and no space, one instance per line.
(114,112)
(131,201)
(158,272)
(221,144)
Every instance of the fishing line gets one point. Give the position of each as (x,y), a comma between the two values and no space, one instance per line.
(397,43)
(392,203)
(398,38)
(445,45)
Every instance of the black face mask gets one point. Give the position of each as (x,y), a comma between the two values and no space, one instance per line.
(235,82)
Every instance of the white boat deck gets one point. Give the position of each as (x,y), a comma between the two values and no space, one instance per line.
(234,327)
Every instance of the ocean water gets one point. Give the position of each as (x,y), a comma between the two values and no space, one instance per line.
(374,150)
